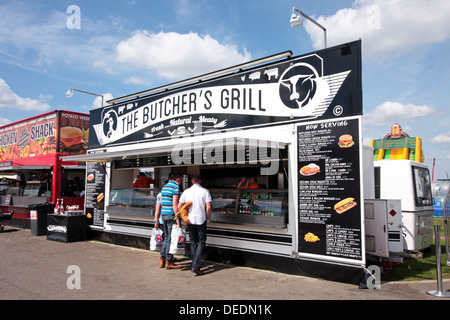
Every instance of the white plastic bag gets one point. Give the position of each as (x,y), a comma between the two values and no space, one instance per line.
(177,240)
(156,241)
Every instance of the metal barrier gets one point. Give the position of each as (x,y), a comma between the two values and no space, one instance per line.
(446,216)
(439,292)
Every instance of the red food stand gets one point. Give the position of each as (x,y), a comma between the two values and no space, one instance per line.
(31,170)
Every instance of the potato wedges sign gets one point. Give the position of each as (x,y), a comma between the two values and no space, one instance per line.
(322,85)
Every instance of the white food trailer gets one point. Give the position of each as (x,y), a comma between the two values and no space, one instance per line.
(402,209)
(409,181)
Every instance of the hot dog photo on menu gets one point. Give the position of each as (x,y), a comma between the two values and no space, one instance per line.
(345,205)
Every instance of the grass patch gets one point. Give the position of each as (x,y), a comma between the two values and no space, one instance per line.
(423,268)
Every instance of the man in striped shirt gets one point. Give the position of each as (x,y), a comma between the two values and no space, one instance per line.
(170,194)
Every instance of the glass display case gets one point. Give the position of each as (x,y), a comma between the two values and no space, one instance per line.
(263,207)
(3,188)
(14,196)
(13,191)
(224,201)
(32,189)
(138,202)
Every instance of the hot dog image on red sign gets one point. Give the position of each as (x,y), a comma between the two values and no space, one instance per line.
(345,205)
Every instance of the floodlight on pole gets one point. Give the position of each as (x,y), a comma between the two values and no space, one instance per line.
(296,20)
(69,93)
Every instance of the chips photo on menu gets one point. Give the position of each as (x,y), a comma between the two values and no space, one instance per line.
(311,237)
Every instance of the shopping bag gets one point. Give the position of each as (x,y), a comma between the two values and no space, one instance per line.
(156,241)
(177,241)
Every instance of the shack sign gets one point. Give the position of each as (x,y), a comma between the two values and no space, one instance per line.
(323,85)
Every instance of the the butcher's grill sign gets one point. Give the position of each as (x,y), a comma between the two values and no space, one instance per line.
(323,85)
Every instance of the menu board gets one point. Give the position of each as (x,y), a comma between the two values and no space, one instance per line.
(95,193)
(329,189)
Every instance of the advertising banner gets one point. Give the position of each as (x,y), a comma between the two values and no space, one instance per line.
(321,85)
(28,138)
(54,132)
(330,205)
(73,133)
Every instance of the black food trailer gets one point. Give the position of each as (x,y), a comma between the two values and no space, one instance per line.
(293,123)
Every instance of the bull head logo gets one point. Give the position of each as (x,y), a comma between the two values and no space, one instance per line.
(298,85)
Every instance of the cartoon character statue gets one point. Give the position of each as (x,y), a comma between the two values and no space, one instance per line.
(396,132)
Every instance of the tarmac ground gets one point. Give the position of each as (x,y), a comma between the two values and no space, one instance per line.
(34,268)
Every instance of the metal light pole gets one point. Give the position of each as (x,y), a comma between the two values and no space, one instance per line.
(296,20)
(69,93)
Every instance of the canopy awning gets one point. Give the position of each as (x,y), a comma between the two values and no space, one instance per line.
(12,168)
(226,142)
(73,166)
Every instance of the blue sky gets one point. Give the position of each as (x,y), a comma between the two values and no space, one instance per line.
(126,46)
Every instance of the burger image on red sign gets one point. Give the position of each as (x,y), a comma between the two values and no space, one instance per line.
(71,140)
(346,141)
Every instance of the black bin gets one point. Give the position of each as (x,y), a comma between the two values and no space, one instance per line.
(38,221)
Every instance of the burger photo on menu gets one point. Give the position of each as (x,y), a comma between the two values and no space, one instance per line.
(71,140)
(346,141)
(345,205)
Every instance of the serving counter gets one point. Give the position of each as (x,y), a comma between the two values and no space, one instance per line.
(138,202)
(260,207)
(20,205)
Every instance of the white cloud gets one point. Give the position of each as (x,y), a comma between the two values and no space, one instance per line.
(103,64)
(4,121)
(42,42)
(175,56)
(98,101)
(389,112)
(386,26)
(441,138)
(136,80)
(27,36)
(10,101)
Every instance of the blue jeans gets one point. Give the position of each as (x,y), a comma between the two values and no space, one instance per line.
(168,222)
(197,238)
